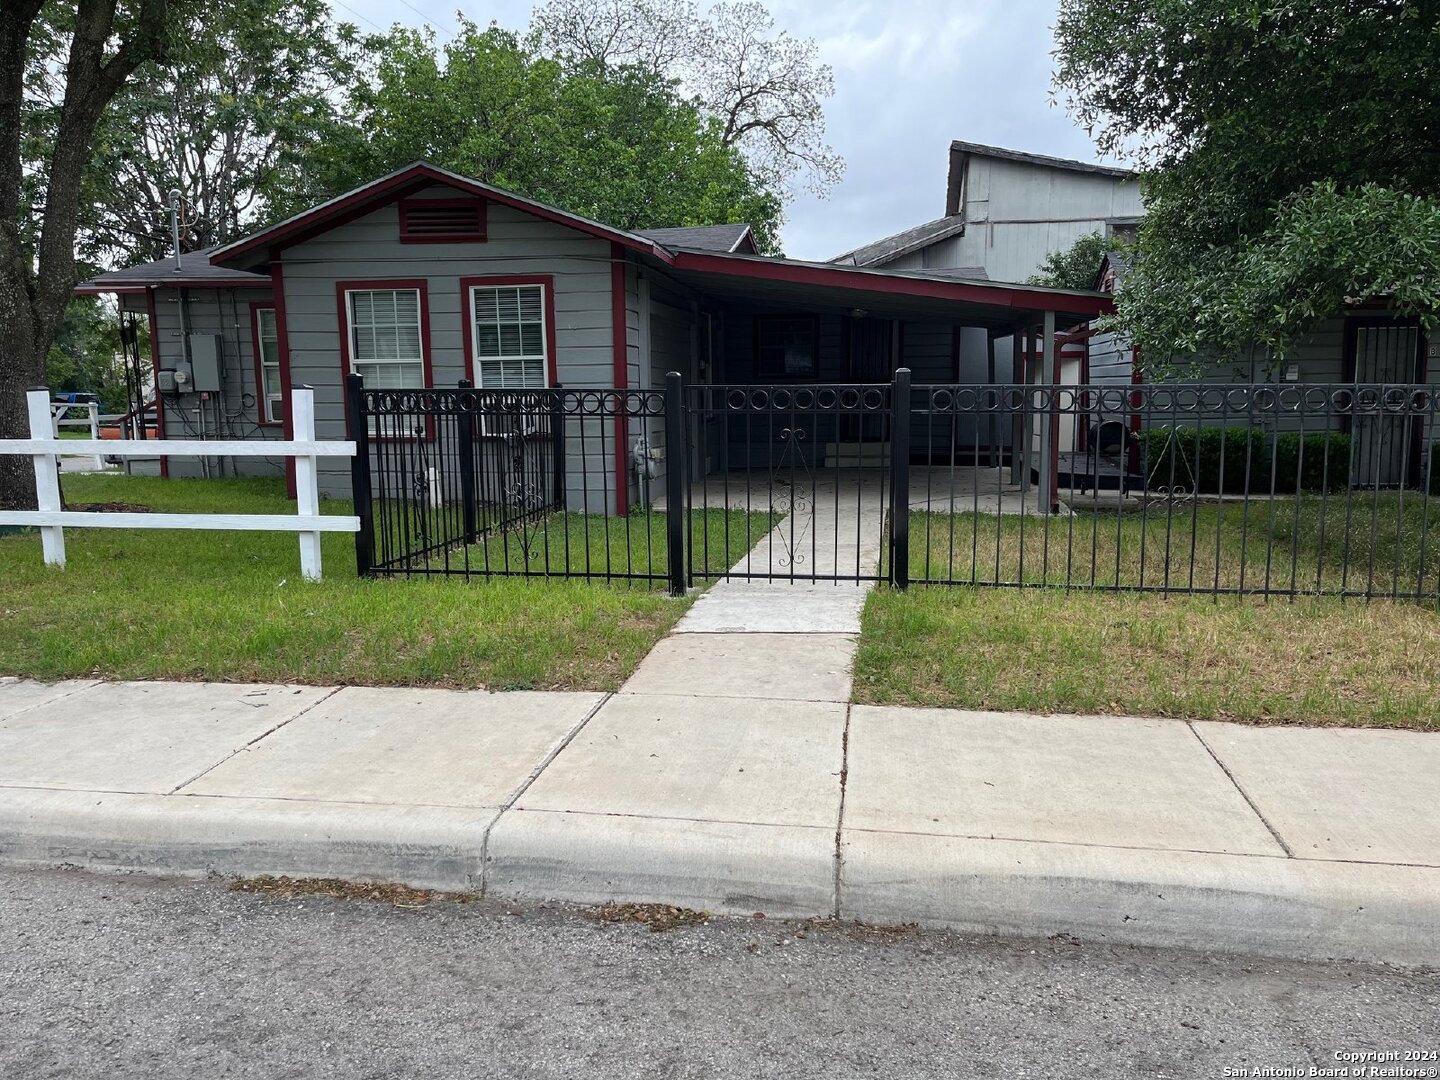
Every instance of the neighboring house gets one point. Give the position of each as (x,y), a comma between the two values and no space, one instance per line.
(426,277)
(1006,211)
(1364,344)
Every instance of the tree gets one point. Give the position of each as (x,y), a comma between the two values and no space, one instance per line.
(1076,267)
(48,115)
(766,89)
(1291,158)
(246,92)
(614,143)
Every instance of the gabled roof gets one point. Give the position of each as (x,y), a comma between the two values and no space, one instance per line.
(195,272)
(255,249)
(902,243)
(1118,261)
(705,238)
(961,152)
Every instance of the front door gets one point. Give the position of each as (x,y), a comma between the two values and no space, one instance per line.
(870,352)
(1385,444)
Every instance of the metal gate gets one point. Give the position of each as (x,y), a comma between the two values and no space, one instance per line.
(811,466)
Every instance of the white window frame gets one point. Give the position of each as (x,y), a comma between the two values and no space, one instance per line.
(477,360)
(358,364)
(272,410)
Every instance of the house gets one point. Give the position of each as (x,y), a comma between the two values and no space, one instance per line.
(1007,210)
(426,277)
(1365,344)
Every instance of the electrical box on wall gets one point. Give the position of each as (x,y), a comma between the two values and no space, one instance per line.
(207,363)
(165,381)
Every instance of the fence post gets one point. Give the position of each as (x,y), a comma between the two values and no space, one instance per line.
(557,433)
(307,481)
(466,420)
(47,474)
(359,425)
(675,474)
(900,405)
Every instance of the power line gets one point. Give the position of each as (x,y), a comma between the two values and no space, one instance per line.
(365,18)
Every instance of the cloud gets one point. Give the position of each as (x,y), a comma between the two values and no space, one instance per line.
(907,42)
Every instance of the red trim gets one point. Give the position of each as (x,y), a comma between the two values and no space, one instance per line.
(154,321)
(467,327)
(361,201)
(277,275)
(620,373)
(261,399)
(855,278)
(342,310)
(406,237)
(759,321)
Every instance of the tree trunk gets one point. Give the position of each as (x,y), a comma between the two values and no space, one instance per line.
(35,284)
(22,365)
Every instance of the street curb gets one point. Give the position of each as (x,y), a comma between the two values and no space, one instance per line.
(1267,905)
(423,846)
(723,867)
(1250,904)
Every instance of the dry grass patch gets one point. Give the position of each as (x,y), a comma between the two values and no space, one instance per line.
(658,917)
(288,888)
(1311,661)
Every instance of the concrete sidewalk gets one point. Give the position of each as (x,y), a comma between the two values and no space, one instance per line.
(738,796)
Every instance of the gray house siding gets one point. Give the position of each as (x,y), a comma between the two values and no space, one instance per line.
(226,313)
(1017,213)
(517,243)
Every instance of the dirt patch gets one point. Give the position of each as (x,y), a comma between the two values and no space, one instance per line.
(287,888)
(111,508)
(658,917)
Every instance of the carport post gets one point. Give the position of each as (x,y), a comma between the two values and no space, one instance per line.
(1047,397)
(675,474)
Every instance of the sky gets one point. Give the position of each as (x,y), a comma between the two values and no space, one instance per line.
(910,76)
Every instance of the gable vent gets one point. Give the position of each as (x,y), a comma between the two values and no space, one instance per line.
(434,221)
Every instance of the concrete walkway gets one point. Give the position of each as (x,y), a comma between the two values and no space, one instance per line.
(742,795)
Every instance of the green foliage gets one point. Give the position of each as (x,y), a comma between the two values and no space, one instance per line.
(85,355)
(1077,266)
(1238,459)
(1291,153)
(618,144)
(246,92)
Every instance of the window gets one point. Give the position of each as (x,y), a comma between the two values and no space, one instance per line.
(385,337)
(509,336)
(267,361)
(785,347)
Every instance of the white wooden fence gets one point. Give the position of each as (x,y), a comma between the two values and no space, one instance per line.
(91,420)
(51,519)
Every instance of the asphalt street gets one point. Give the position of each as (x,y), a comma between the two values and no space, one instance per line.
(131,976)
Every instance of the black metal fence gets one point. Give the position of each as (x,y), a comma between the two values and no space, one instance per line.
(1265,489)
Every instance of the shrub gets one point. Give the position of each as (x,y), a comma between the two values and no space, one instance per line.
(1204,459)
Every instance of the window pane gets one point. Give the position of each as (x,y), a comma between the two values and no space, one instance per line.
(385,325)
(509,336)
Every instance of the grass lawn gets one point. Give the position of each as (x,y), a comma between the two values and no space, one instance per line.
(1311,661)
(1308,544)
(143,604)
